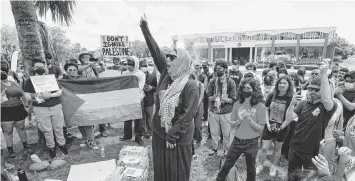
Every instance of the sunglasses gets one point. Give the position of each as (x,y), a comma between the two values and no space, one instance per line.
(335,72)
(172,57)
(314,74)
(313,89)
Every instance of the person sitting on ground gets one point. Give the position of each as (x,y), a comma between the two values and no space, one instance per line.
(48,111)
(13,112)
(87,132)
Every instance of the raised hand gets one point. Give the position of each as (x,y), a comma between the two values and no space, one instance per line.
(324,67)
(143,19)
(322,164)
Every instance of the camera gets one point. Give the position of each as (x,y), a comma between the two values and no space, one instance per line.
(93,59)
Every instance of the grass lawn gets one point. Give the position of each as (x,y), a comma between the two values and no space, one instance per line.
(204,168)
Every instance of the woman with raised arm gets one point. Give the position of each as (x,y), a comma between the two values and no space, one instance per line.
(176,104)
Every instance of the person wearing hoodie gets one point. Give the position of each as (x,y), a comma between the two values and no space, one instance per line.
(133,69)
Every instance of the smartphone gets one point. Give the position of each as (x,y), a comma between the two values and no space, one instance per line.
(298,90)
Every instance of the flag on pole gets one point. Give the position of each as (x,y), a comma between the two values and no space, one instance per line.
(100,100)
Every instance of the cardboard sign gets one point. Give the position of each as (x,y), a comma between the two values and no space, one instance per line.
(44,83)
(97,171)
(114,45)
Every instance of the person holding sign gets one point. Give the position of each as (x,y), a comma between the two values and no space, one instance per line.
(47,107)
(13,112)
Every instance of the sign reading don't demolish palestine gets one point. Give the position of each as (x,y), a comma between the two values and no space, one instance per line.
(114,45)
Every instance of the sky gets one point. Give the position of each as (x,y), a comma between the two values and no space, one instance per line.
(95,18)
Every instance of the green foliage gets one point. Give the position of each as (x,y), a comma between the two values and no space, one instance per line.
(61,10)
(9,41)
(139,49)
(343,48)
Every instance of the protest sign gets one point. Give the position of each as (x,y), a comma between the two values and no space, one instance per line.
(114,45)
(44,83)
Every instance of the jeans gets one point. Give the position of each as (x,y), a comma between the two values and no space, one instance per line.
(250,149)
(298,159)
(138,126)
(148,117)
(87,132)
(49,120)
(198,125)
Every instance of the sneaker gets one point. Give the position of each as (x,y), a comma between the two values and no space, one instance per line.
(259,168)
(64,149)
(273,171)
(92,144)
(52,152)
(83,143)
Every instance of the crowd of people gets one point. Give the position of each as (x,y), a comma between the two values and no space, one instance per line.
(309,121)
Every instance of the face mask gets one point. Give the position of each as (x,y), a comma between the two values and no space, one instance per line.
(246,94)
(219,74)
(3,76)
(5,69)
(349,86)
(40,71)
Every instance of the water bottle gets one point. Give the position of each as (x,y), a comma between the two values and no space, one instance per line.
(103,152)
(21,175)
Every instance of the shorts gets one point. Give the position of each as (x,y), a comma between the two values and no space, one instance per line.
(16,113)
(279,137)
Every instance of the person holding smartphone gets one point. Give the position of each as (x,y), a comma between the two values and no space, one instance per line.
(313,116)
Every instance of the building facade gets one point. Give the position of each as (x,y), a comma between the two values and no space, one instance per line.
(304,45)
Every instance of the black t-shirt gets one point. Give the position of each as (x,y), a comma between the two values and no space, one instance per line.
(310,126)
(350,96)
(236,75)
(53,101)
(277,108)
(55,70)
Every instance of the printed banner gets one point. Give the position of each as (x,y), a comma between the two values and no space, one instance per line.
(45,83)
(100,100)
(114,45)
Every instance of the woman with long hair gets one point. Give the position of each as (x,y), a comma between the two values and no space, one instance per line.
(277,104)
(176,104)
(248,118)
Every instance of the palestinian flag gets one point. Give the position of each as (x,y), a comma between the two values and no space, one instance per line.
(100,100)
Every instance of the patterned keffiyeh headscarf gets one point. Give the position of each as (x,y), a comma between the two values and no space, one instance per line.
(181,68)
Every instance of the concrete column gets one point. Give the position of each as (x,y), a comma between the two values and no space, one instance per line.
(251,54)
(325,45)
(255,54)
(212,58)
(298,46)
(174,43)
(226,54)
(230,54)
(209,40)
(197,54)
(273,44)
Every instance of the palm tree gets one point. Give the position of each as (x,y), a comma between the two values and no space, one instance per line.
(27,25)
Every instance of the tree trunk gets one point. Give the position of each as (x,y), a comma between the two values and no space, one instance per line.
(26,21)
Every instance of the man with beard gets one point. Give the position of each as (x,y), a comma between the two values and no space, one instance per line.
(235,73)
(53,69)
(313,116)
(222,94)
(346,94)
(314,74)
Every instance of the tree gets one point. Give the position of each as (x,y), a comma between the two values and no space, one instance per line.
(26,21)
(9,41)
(343,48)
(60,43)
(138,48)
